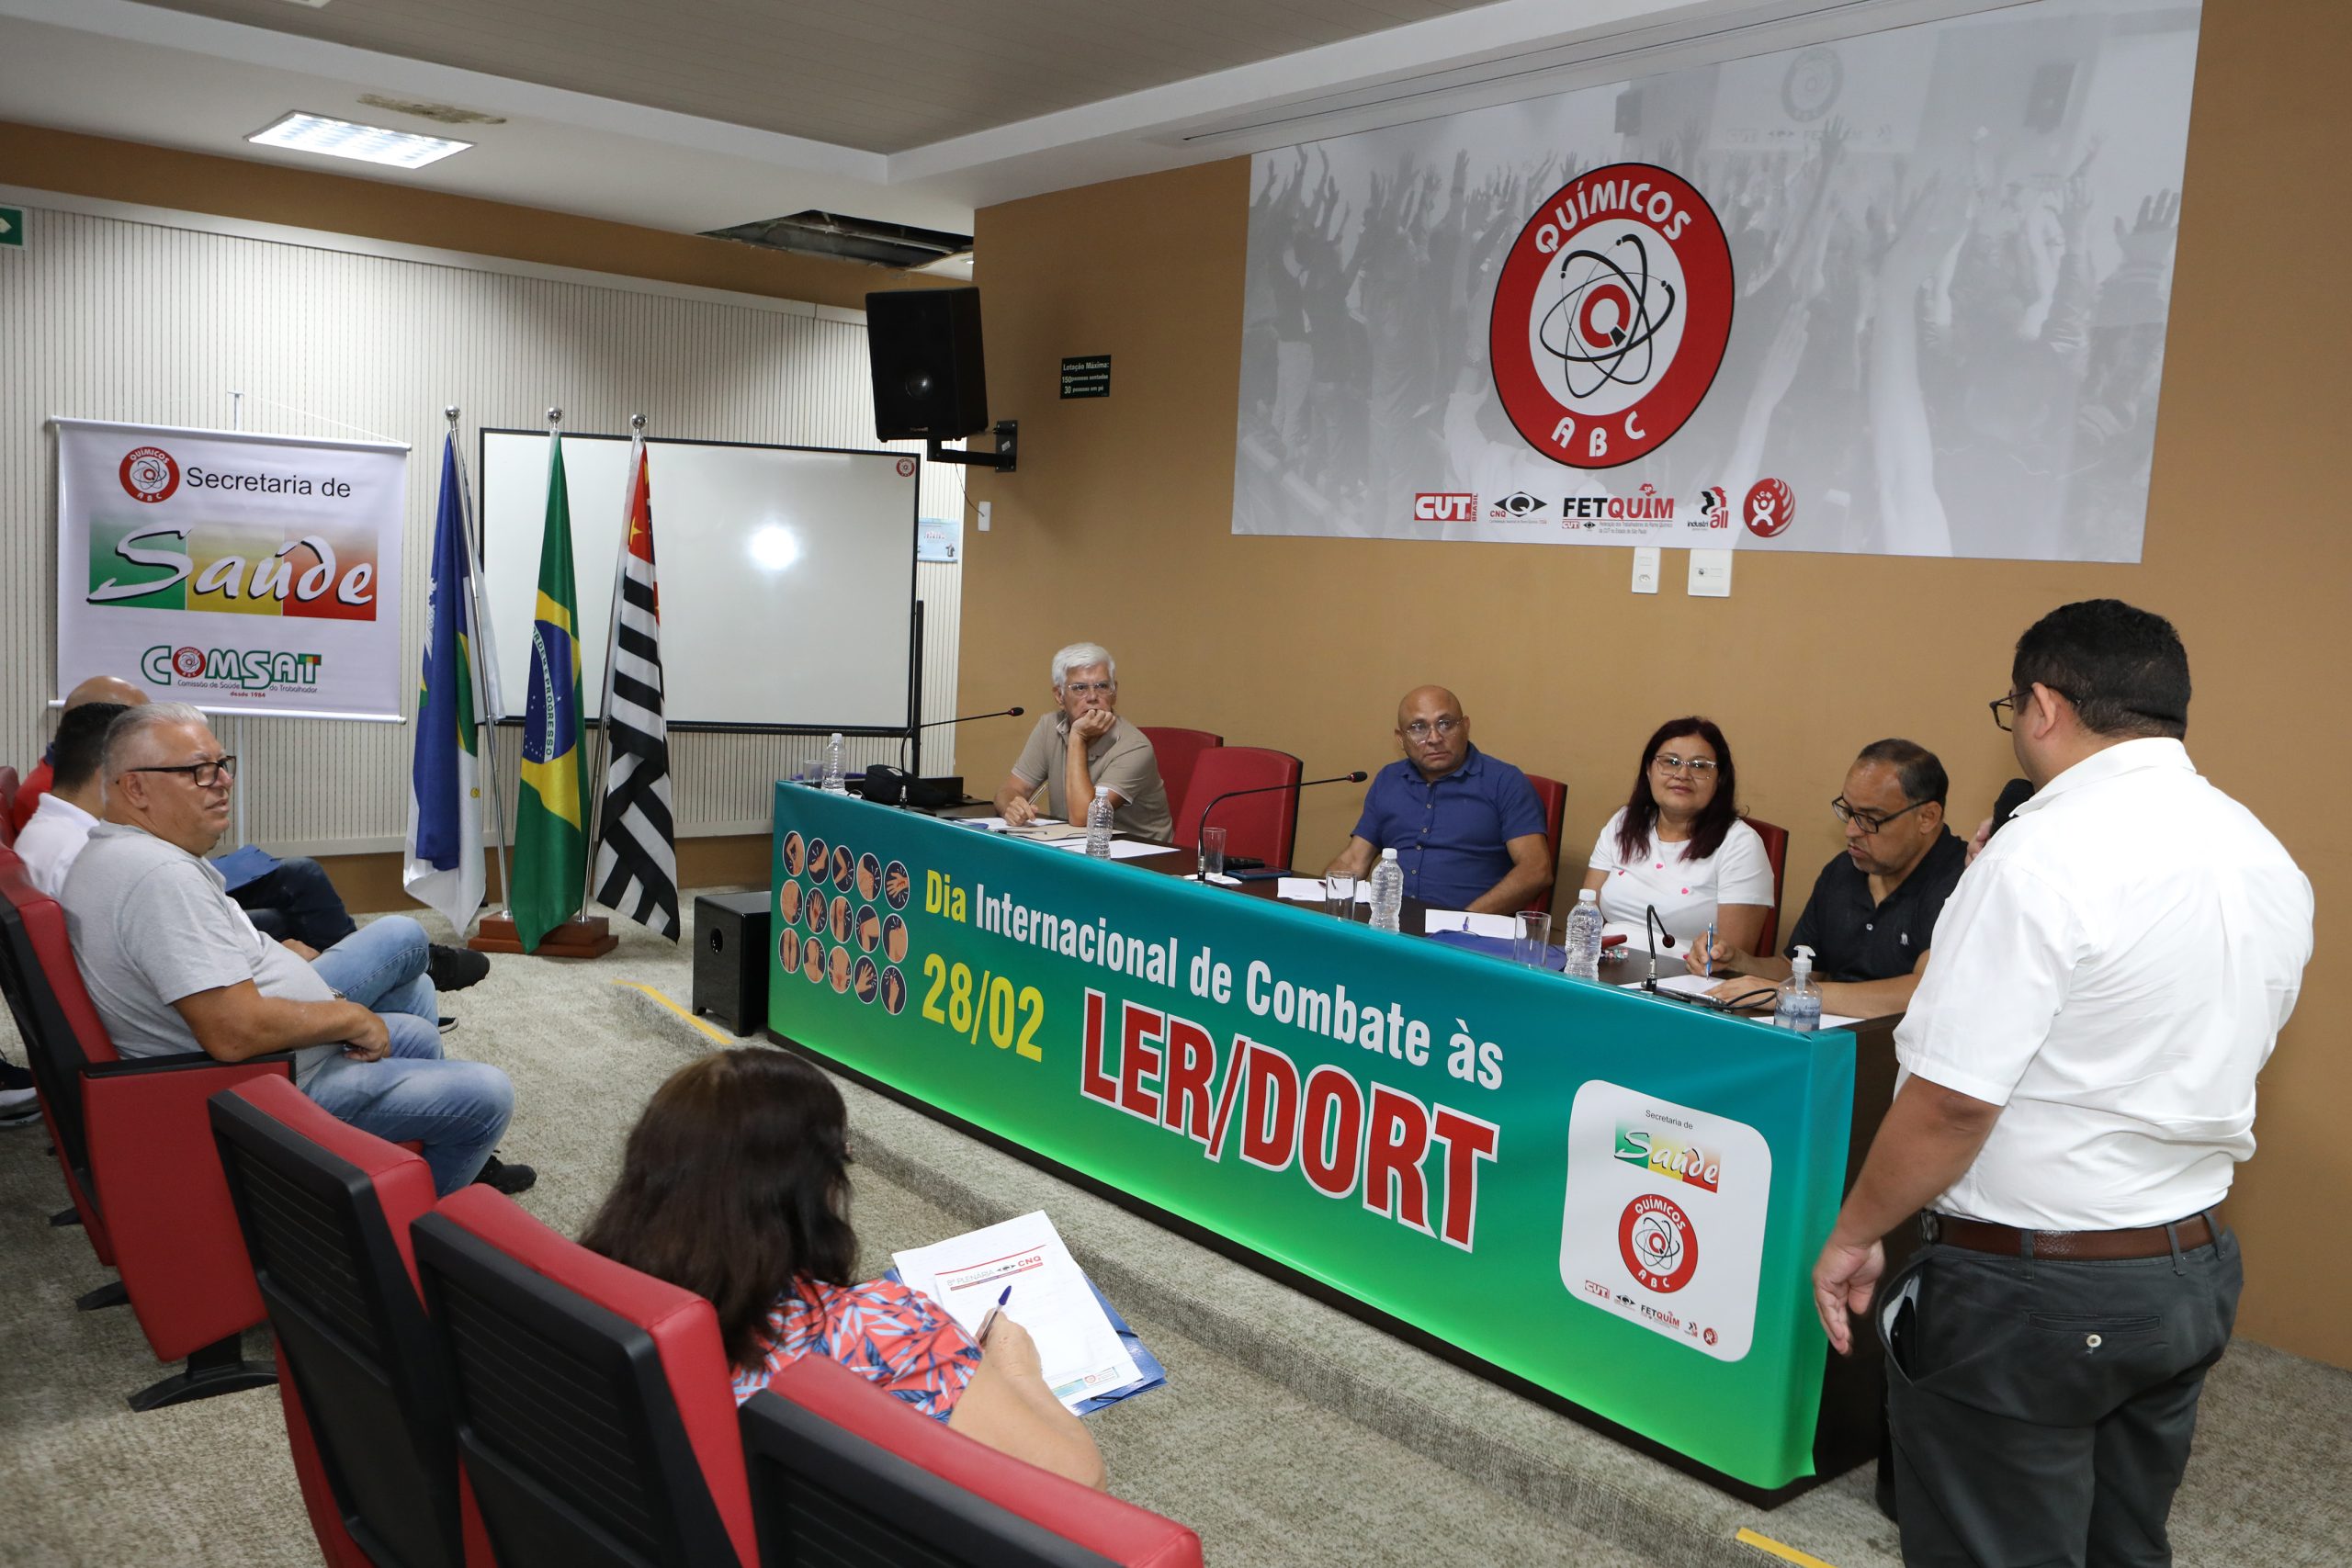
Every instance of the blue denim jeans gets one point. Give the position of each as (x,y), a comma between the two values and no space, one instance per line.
(457,1111)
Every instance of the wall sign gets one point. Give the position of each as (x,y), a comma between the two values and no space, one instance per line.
(1087,375)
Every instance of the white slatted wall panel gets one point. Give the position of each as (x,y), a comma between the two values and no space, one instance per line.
(108,318)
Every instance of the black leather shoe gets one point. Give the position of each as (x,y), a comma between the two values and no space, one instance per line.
(455,968)
(498,1176)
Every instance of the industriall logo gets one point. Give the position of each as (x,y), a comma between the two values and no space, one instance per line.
(1611,315)
(1714,509)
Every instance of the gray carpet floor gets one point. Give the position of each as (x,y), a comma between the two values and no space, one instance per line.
(1289,1433)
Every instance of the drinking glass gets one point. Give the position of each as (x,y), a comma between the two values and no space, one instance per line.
(1212,852)
(1339,894)
(1532,942)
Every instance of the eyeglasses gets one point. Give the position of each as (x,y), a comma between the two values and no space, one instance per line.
(1088,688)
(204,775)
(1871,822)
(1697,767)
(1422,728)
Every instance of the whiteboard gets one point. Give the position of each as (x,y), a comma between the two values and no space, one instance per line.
(787,574)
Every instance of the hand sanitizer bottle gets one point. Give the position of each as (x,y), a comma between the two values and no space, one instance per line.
(1799,1007)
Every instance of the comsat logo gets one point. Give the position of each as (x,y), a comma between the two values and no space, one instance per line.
(230,668)
(1662,1156)
(1444,507)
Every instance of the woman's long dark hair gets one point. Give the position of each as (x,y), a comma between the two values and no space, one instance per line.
(735,1183)
(1641,806)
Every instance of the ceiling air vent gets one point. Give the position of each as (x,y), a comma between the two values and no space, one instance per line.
(814,234)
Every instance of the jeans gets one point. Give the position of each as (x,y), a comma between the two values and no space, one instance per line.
(296,900)
(2041,1411)
(457,1111)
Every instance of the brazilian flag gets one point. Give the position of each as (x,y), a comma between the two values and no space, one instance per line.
(550,833)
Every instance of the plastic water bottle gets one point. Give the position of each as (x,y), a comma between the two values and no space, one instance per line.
(1582,938)
(834,784)
(1800,1006)
(1098,824)
(1387,892)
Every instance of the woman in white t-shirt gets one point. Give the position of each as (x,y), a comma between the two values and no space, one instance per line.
(1678,844)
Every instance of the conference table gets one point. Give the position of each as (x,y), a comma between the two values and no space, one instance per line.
(1607,1201)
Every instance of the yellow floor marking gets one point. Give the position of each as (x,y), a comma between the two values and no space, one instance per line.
(709,1029)
(1786,1553)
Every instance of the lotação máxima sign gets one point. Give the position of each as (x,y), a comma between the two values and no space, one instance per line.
(1613,1198)
(236,571)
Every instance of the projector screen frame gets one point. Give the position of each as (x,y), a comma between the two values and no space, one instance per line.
(910,731)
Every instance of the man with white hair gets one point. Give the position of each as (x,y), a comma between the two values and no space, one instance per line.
(1082,743)
(173,965)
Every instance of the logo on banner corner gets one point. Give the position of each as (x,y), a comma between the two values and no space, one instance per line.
(1611,315)
(149,474)
(1769,508)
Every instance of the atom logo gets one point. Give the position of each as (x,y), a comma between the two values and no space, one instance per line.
(1657,1242)
(149,474)
(1611,315)
(1604,325)
(187,662)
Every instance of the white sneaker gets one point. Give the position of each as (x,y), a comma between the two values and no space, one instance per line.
(19,1105)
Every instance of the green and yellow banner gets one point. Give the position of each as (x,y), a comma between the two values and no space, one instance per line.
(1613,1197)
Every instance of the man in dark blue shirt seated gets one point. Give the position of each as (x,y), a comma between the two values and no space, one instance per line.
(1466,827)
(1873,912)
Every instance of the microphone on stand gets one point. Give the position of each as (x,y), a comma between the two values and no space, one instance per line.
(1247,863)
(1657,928)
(895,786)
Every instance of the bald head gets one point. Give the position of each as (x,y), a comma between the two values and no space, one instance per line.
(1432,730)
(105,688)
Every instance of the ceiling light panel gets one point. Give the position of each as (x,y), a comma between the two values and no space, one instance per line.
(344,139)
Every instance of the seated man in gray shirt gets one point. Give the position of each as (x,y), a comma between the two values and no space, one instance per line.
(1082,743)
(173,965)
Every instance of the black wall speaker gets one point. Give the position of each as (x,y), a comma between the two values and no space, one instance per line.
(731,958)
(929,380)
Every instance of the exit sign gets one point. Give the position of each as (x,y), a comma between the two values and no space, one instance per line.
(11,226)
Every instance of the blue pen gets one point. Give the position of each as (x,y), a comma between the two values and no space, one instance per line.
(989,1322)
(1711,949)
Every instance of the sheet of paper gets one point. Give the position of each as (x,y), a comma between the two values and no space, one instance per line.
(1077,1348)
(1464,920)
(1121,848)
(1220,879)
(1309,890)
(1691,985)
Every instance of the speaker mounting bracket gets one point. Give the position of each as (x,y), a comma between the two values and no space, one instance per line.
(1001,460)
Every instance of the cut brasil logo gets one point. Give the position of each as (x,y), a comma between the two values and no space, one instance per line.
(1611,315)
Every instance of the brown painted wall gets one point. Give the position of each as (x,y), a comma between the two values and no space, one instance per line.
(1117,527)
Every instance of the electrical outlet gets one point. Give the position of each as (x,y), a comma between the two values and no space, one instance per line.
(1645,568)
(984,516)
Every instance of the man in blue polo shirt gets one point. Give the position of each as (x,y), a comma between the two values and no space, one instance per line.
(1466,827)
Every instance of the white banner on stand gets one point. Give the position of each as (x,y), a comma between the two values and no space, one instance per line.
(241,573)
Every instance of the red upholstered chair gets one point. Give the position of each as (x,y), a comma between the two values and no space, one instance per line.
(326,1210)
(1776,850)
(1554,797)
(1259,826)
(833,1458)
(596,1417)
(8,804)
(137,1150)
(1178,750)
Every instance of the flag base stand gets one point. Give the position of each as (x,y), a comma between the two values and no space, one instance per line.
(576,938)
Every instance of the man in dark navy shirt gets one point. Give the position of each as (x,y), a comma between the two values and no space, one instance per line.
(1874,908)
(1466,827)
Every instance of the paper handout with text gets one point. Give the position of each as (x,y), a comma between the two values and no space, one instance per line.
(1077,1346)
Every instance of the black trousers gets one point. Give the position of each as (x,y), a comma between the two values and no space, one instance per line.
(296,900)
(2042,1412)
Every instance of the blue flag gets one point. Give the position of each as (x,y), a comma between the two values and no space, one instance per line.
(445,861)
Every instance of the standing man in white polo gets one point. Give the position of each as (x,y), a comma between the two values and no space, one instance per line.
(2078,1087)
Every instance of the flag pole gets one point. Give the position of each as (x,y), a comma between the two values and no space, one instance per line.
(612,653)
(489,704)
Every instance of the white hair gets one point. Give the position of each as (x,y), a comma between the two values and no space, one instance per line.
(126,736)
(1083,656)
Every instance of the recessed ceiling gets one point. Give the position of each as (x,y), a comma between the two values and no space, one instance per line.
(699,114)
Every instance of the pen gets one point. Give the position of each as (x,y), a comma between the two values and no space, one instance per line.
(990,1321)
(1711,949)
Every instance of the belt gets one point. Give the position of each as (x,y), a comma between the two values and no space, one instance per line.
(2148,1241)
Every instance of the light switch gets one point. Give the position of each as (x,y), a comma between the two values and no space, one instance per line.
(1645,568)
(984,516)
(1710,574)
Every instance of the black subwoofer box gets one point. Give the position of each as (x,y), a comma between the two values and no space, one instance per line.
(731,958)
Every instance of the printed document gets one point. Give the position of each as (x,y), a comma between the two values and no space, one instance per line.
(1076,1345)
